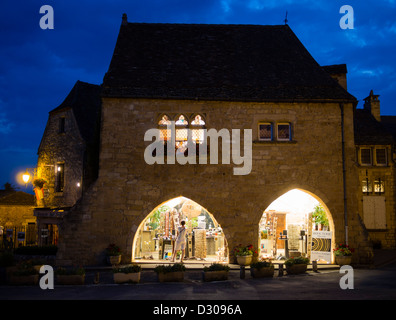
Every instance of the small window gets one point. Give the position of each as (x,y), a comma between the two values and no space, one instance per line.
(60,177)
(62,125)
(265,131)
(181,133)
(366,186)
(283,133)
(198,126)
(162,125)
(365,157)
(379,186)
(380,157)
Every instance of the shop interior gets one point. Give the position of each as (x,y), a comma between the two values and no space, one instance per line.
(293,225)
(157,234)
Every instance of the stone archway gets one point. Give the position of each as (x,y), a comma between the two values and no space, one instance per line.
(297,223)
(155,235)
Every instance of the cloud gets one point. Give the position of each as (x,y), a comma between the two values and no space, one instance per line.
(5,124)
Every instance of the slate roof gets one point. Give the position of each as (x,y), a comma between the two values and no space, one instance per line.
(85,101)
(216,62)
(18,198)
(368,131)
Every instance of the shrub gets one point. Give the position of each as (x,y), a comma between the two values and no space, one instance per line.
(297,260)
(261,264)
(128,269)
(70,271)
(170,268)
(216,267)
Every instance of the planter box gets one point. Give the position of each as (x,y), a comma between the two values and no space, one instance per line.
(262,272)
(343,260)
(171,276)
(112,260)
(30,280)
(296,268)
(244,260)
(72,279)
(214,275)
(120,277)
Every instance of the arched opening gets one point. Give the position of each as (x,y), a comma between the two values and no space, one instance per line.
(155,237)
(297,223)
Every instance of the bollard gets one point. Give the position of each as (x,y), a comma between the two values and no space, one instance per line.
(280,269)
(242,272)
(315,266)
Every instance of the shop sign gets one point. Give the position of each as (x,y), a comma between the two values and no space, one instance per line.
(21,236)
(321,245)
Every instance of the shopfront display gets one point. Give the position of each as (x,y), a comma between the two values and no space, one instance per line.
(292,228)
(205,239)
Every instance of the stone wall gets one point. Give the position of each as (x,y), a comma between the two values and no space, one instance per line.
(128,189)
(67,148)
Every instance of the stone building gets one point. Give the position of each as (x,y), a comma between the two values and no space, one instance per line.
(17,222)
(67,156)
(253,85)
(375,147)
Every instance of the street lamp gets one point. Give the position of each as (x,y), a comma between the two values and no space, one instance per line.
(26,177)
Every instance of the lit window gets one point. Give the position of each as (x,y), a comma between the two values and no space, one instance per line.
(181,134)
(379,186)
(366,186)
(283,133)
(60,177)
(265,131)
(198,125)
(365,156)
(162,125)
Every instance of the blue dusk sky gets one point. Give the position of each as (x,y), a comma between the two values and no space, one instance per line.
(39,67)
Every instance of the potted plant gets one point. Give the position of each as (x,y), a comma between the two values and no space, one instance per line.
(70,276)
(215,272)
(262,269)
(244,255)
(343,254)
(113,254)
(23,274)
(319,217)
(296,265)
(170,273)
(127,274)
(38,184)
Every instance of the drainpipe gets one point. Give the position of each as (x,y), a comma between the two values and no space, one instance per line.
(344,174)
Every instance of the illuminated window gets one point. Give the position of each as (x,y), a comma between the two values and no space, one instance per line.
(379,186)
(265,131)
(60,177)
(283,132)
(367,186)
(198,126)
(162,125)
(181,133)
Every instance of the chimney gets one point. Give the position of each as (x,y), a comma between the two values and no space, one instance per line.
(124,19)
(372,104)
(338,72)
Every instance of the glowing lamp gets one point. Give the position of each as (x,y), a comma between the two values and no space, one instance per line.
(26,177)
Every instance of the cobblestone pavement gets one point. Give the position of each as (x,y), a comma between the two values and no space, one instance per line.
(373,284)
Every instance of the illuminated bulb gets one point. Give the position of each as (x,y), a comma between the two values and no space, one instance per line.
(78,185)
(26,177)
